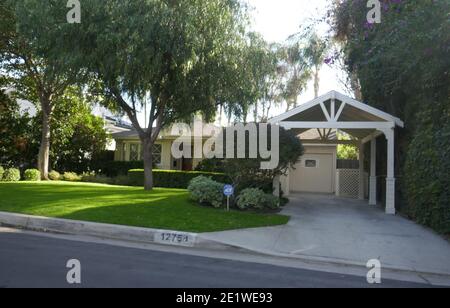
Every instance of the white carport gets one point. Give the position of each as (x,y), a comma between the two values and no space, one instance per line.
(335,111)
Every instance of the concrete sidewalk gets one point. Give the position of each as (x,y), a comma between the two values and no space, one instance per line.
(326,228)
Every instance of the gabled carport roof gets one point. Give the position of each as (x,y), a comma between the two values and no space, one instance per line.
(338,111)
(334,95)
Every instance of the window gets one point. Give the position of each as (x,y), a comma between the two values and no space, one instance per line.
(157,154)
(134,152)
(310,163)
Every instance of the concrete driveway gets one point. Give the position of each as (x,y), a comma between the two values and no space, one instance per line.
(324,227)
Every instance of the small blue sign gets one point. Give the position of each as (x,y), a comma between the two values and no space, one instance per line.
(228,190)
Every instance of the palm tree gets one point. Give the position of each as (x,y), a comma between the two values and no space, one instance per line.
(315,52)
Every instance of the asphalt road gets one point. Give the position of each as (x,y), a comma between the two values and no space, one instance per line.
(33,261)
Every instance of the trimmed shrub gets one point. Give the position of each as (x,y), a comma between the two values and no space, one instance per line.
(1,172)
(11,175)
(33,175)
(173,179)
(206,191)
(116,168)
(54,175)
(71,177)
(253,198)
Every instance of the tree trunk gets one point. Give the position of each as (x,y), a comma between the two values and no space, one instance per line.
(44,149)
(255,112)
(147,145)
(316,82)
(355,84)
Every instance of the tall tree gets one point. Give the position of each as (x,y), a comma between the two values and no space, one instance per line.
(182,54)
(296,71)
(35,76)
(316,51)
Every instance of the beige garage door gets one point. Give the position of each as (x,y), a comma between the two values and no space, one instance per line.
(313,174)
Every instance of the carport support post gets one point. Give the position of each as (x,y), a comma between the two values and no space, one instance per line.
(373,172)
(361,195)
(390,179)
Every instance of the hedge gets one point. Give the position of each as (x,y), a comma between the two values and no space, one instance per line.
(427,170)
(116,168)
(173,179)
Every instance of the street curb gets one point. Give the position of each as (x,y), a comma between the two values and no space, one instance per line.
(106,231)
(335,262)
(150,236)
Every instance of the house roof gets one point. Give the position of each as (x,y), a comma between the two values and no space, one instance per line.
(175,131)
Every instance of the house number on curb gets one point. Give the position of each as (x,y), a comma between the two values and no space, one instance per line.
(175,238)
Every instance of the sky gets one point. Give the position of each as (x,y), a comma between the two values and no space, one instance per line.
(276,20)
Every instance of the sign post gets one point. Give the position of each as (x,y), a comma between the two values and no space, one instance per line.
(228,191)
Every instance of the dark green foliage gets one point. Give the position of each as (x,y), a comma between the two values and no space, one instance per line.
(115,168)
(403,67)
(17,145)
(247,173)
(33,175)
(427,171)
(173,179)
(211,165)
(78,137)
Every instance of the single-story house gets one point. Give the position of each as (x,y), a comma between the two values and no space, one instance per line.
(316,123)
(128,148)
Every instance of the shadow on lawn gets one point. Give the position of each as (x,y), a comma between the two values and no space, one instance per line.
(23,197)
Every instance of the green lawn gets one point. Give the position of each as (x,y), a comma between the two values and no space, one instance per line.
(162,208)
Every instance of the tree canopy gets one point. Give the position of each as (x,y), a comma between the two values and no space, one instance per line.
(183,55)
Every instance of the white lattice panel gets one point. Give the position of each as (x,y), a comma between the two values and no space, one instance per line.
(347,183)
